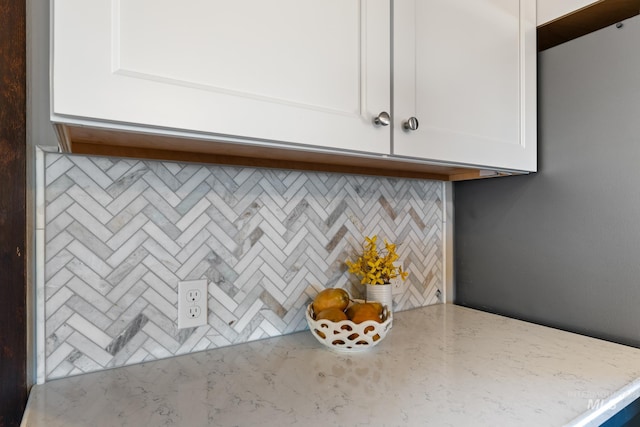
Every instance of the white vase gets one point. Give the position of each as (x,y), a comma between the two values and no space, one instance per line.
(380,293)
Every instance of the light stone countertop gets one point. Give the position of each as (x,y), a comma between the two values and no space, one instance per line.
(441,365)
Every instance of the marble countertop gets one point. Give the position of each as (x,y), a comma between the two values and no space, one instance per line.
(441,365)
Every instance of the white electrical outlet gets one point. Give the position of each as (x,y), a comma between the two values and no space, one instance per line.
(397,285)
(192,303)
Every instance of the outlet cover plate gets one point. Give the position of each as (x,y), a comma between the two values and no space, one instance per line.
(398,285)
(192,303)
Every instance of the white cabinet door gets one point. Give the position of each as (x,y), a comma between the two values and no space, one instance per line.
(466,71)
(303,72)
(549,10)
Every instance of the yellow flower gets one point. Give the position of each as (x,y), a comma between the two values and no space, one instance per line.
(374,268)
(371,242)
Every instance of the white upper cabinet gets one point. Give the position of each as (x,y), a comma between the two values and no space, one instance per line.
(303,75)
(549,10)
(300,72)
(466,70)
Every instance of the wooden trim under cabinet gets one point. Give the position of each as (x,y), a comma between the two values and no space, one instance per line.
(584,21)
(117,143)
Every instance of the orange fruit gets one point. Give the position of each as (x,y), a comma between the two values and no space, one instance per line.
(360,312)
(334,314)
(377,305)
(330,298)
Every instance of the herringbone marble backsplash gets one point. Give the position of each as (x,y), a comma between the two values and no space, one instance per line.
(121,233)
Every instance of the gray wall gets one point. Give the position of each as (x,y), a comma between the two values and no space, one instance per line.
(562,247)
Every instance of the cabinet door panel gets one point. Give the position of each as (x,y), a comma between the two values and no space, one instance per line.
(460,69)
(549,10)
(294,71)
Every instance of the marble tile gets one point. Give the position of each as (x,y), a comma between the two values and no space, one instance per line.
(130,191)
(56,167)
(88,347)
(88,329)
(118,343)
(120,233)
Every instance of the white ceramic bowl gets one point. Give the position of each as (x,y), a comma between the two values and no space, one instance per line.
(346,336)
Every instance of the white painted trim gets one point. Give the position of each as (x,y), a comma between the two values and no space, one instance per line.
(447,243)
(40,340)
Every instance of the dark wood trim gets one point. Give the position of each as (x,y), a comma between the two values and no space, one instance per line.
(13,142)
(585,21)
